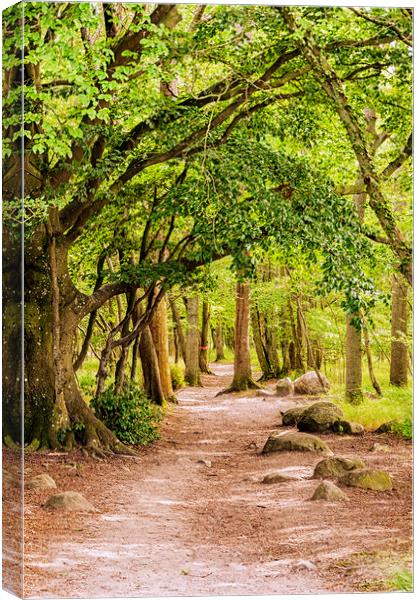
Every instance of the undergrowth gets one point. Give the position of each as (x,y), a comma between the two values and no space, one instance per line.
(130,415)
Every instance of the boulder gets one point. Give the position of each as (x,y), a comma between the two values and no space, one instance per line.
(348,427)
(319,417)
(279,477)
(295,442)
(386,427)
(328,491)
(40,482)
(291,416)
(309,384)
(336,466)
(71,501)
(368,479)
(284,387)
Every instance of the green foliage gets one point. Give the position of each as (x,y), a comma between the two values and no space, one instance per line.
(130,415)
(403,428)
(177,375)
(401,581)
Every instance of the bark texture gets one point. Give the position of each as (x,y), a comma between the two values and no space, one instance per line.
(399,320)
(192,372)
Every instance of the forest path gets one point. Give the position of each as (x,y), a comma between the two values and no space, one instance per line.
(168,524)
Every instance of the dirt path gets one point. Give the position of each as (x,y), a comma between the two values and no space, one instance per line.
(168,524)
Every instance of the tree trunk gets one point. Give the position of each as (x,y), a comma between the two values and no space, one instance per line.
(218,342)
(150,367)
(204,345)
(399,318)
(260,350)
(48,335)
(178,327)
(367,346)
(242,379)
(192,372)
(159,332)
(353,374)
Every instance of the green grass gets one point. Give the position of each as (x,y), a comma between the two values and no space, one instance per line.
(396,404)
(401,581)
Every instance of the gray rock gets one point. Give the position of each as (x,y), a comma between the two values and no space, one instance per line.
(279,477)
(70,501)
(347,427)
(380,448)
(309,384)
(328,491)
(295,442)
(284,387)
(291,416)
(336,466)
(40,482)
(319,417)
(368,479)
(386,427)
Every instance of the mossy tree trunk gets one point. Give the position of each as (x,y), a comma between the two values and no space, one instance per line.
(399,321)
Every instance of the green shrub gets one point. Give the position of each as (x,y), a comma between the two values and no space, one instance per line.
(177,375)
(403,428)
(130,415)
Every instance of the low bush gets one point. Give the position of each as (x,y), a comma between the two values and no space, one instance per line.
(177,375)
(130,415)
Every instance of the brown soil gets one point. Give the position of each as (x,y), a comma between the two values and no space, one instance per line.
(167,524)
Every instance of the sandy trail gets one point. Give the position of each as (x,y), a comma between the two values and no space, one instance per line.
(169,524)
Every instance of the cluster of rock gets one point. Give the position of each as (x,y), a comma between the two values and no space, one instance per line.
(324,417)
(320,417)
(68,501)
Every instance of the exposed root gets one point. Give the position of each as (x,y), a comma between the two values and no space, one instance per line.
(249,384)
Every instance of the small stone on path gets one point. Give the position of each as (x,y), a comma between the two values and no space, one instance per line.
(279,477)
(368,479)
(380,448)
(336,466)
(71,501)
(41,482)
(328,491)
(295,442)
(207,463)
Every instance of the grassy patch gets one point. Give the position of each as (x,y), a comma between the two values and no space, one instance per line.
(394,405)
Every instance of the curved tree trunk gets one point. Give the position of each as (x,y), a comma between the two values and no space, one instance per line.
(399,318)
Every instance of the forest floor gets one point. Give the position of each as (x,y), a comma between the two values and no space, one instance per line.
(167,524)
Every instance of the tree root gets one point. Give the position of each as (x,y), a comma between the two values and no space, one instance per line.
(248,384)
